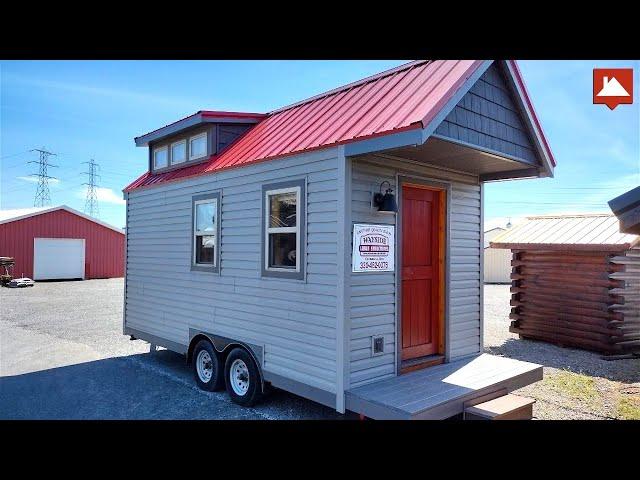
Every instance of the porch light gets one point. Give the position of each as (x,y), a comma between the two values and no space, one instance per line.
(386,202)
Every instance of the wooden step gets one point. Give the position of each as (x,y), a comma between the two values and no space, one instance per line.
(507,407)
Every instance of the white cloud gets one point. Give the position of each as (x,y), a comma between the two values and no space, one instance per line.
(105,92)
(105,195)
(34,179)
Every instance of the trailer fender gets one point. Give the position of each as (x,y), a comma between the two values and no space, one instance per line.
(223,345)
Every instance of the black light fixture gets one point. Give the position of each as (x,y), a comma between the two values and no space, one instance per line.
(385,202)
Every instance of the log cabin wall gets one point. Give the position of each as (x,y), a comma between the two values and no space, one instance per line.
(629,307)
(584,299)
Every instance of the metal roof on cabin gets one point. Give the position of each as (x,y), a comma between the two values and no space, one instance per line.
(597,230)
(403,98)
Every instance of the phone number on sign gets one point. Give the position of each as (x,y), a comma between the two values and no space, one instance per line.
(374,265)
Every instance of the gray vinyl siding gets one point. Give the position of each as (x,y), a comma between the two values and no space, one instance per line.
(294,320)
(373,295)
(488,117)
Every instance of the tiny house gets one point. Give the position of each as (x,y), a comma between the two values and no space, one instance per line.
(334,247)
(575,282)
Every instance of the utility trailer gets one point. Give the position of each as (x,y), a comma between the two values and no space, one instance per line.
(333,248)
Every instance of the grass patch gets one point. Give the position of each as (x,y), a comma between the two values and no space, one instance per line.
(629,407)
(575,385)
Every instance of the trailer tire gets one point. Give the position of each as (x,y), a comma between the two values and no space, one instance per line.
(207,367)
(242,378)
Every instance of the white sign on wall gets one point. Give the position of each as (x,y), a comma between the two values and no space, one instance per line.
(373,248)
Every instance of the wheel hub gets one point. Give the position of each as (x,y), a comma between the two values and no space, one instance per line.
(204,366)
(239,376)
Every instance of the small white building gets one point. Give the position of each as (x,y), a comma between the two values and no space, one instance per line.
(497,261)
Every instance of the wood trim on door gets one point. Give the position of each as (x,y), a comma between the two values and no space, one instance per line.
(439,336)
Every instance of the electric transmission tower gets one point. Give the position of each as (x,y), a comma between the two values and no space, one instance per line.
(42,198)
(91,203)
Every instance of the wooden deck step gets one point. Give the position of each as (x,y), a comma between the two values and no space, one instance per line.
(442,391)
(507,407)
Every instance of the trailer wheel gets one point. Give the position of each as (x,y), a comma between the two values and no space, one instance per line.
(242,378)
(207,367)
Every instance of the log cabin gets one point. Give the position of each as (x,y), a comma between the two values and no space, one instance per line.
(575,282)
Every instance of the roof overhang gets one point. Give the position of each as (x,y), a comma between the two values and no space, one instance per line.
(67,209)
(198,118)
(403,141)
(626,208)
(420,132)
(514,76)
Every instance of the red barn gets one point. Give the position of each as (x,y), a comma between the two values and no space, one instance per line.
(60,243)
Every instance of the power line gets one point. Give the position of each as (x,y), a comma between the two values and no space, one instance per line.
(91,202)
(15,154)
(43,197)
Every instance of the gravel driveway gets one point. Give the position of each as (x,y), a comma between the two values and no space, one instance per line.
(63,356)
(577,384)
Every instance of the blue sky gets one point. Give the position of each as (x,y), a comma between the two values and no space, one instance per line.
(83,110)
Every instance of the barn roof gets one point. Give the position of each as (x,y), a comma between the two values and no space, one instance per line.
(17,213)
(596,231)
(7,216)
(407,97)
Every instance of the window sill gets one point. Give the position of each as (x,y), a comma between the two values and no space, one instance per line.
(282,275)
(205,268)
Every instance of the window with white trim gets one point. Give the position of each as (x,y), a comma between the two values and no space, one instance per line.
(160,157)
(283,222)
(198,146)
(205,231)
(178,152)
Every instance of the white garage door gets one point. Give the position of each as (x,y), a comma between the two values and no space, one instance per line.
(58,258)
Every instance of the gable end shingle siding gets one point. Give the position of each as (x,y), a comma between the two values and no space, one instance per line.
(487,117)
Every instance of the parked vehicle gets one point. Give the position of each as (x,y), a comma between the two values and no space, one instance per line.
(21,282)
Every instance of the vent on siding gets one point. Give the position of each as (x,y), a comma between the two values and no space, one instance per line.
(377,345)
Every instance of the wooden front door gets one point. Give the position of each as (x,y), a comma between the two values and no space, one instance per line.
(421,212)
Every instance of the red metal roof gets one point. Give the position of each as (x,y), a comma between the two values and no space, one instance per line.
(404,98)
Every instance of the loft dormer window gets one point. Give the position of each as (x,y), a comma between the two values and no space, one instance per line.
(178,152)
(160,158)
(198,146)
